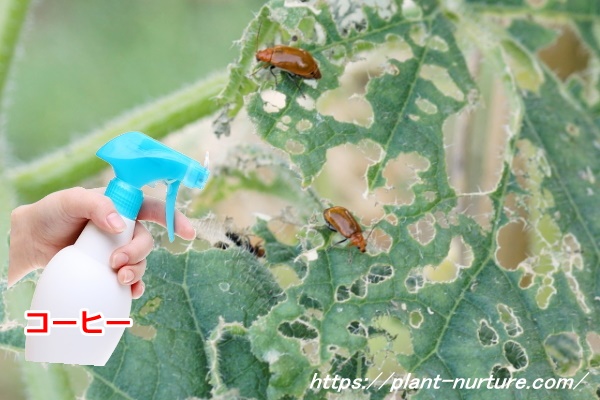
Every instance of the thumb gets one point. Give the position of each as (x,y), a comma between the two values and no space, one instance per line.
(81,204)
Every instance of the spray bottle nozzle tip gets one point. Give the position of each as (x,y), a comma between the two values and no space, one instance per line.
(139,160)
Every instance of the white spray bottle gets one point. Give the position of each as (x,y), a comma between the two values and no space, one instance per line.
(78,284)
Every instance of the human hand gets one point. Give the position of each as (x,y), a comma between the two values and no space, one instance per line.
(42,229)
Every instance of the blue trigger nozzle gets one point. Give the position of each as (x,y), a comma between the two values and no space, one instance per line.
(139,160)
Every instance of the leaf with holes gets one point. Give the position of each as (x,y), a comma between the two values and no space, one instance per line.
(172,350)
(409,98)
(477,286)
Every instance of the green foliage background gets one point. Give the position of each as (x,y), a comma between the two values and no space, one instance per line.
(223,323)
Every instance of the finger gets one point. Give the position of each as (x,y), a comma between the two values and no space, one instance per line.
(154,210)
(81,204)
(130,274)
(136,250)
(137,289)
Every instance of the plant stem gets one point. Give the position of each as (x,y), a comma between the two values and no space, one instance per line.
(12,16)
(69,165)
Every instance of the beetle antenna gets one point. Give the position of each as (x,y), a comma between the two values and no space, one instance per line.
(372,229)
(258,35)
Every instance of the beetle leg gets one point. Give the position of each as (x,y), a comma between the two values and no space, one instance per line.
(330,227)
(335,244)
(340,242)
(259,67)
(271,68)
(295,80)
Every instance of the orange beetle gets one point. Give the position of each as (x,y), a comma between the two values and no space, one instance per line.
(293,60)
(340,220)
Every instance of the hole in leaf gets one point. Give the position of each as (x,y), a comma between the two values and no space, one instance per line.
(414,282)
(486,334)
(380,273)
(437,43)
(460,255)
(359,288)
(442,80)
(310,349)
(442,220)
(512,242)
(566,55)
(281,126)
(347,367)
(150,306)
(411,11)
(285,276)
(565,353)
(356,328)
(509,320)
(146,332)
(342,293)
(572,249)
(294,147)
(347,103)
(426,106)
(500,376)
(352,108)
(397,335)
(303,125)
(392,219)
(526,281)
(371,150)
(343,182)
(298,330)
(273,101)
(418,34)
(382,359)
(380,240)
(284,231)
(479,208)
(423,231)
(310,302)
(545,293)
(481,130)
(415,319)
(515,354)
(593,340)
(306,102)
(400,175)
(350,16)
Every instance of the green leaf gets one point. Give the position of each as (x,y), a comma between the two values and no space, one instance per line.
(410,101)
(186,296)
(11,334)
(531,35)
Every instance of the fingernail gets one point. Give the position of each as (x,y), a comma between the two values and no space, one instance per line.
(127,277)
(119,260)
(116,222)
